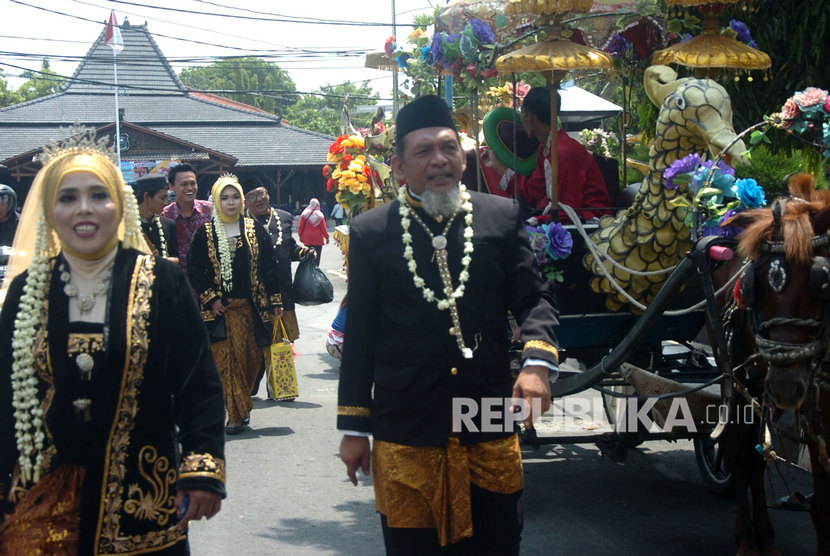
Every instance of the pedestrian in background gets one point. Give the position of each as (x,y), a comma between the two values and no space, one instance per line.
(312,229)
(234,273)
(338,213)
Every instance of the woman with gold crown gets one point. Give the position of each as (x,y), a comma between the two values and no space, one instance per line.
(232,267)
(105,371)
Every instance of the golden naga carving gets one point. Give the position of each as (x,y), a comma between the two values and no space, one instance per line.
(695,117)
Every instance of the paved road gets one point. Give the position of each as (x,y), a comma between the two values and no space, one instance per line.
(288,492)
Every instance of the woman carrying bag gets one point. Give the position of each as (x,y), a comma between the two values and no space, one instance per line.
(106,376)
(232,267)
(312,228)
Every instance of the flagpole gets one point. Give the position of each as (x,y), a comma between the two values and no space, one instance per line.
(117,115)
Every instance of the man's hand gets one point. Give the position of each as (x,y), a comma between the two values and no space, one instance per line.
(531,383)
(489,159)
(355,452)
(218,307)
(202,504)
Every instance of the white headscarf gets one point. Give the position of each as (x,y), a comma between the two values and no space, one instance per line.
(312,213)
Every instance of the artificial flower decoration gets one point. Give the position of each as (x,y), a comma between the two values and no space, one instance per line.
(550,242)
(349,175)
(598,141)
(468,55)
(715,194)
(807,110)
(503,96)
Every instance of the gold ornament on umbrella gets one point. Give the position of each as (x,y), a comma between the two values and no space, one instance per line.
(711,50)
(554,56)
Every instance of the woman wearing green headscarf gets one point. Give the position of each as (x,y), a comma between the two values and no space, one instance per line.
(232,267)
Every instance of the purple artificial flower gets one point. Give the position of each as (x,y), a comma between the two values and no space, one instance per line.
(686,37)
(437,50)
(618,46)
(732,229)
(483,32)
(560,242)
(680,166)
(742,32)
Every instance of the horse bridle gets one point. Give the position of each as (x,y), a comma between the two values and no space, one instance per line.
(783,353)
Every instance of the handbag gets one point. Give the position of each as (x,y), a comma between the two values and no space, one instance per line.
(311,286)
(282,376)
(216,329)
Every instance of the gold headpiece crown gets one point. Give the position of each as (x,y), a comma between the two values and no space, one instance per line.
(81,140)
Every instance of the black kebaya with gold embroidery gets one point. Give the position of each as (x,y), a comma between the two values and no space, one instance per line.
(258,283)
(152,388)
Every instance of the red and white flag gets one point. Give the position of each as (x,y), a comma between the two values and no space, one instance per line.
(113,36)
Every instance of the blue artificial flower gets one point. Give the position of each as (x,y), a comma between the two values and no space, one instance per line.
(742,32)
(403,60)
(425,52)
(681,166)
(560,242)
(750,193)
(723,178)
(483,32)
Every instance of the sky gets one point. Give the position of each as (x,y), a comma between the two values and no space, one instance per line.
(64,30)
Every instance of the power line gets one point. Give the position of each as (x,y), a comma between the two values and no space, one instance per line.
(64,79)
(274,17)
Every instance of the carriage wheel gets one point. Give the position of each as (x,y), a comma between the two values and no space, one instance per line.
(711,461)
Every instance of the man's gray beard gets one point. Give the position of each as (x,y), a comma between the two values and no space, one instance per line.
(444,204)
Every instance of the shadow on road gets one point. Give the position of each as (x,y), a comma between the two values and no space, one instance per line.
(351,533)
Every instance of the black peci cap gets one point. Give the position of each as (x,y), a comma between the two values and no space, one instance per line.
(425,111)
(149,183)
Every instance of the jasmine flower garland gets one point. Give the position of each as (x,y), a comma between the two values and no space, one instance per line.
(225,260)
(439,244)
(27,411)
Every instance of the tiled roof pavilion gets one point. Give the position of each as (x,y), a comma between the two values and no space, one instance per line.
(215,133)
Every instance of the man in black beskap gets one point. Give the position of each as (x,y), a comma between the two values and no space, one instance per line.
(411,351)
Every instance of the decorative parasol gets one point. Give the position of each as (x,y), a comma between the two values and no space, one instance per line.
(711,49)
(555,55)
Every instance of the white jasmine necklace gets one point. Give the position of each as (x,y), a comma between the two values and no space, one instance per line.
(439,244)
(163,240)
(276,217)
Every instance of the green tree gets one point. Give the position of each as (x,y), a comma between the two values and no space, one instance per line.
(7,96)
(40,83)
(249,74)
(321,112)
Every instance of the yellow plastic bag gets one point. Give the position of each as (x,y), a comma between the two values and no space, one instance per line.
(282,376)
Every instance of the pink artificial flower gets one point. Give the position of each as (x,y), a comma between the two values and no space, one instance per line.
(810,97)
(488,73)
(389,46)
(790,112)
(827,104)
(472,69)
